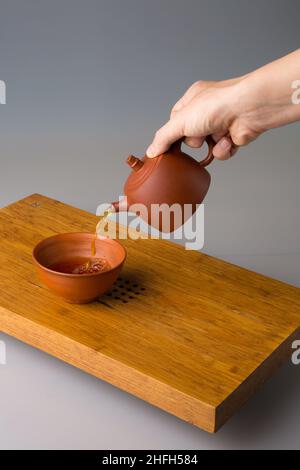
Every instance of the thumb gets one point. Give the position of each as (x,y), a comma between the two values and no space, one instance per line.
(166,136)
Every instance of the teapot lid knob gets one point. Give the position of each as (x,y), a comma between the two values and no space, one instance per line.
(134,162)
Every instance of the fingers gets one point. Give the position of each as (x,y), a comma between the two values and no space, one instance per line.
(194,142)
(195,116)
(224,148)
(218,137)
(197,87)
(190,93)
(166,136)
(173,130)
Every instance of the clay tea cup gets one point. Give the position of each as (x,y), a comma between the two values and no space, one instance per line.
(52,254)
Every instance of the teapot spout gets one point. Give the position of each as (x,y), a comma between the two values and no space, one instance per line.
(121,205)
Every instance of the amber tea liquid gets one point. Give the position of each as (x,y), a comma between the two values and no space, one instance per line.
(85,265)
(80,265)
(103,220)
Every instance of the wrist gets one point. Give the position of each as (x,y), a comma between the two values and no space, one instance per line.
(265,99)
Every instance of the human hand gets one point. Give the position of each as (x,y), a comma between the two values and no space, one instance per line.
(234,112)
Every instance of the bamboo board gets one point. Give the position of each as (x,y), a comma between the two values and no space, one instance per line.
(188,333)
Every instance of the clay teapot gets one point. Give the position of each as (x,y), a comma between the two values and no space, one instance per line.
(171,178)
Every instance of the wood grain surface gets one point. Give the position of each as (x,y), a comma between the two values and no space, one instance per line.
(186,332)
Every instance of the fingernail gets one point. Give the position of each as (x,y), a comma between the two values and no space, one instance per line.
(150,152)
(224,143)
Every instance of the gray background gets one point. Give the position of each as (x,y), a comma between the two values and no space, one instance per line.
(89,82)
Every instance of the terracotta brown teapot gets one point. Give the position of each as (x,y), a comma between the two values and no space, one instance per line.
(171,178)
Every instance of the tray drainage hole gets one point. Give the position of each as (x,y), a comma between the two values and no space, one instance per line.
(124,301)
(131,297)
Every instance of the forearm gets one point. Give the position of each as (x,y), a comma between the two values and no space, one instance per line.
(269,96)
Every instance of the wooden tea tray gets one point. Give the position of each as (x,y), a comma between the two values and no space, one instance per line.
(184,331)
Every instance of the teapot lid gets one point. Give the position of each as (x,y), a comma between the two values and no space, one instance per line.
(142,168)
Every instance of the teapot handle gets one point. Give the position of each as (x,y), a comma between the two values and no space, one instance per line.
(209,157)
